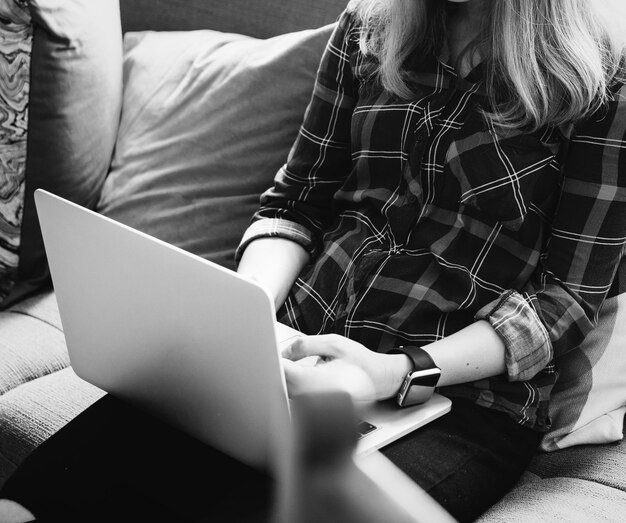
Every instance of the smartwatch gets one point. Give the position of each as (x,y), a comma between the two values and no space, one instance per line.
(419,384)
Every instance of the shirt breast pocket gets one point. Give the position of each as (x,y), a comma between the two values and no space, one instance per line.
(497,180)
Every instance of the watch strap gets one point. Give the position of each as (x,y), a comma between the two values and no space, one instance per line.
(419,357)
(420,382)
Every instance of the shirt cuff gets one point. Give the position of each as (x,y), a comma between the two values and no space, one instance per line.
(276,228)
(528,348)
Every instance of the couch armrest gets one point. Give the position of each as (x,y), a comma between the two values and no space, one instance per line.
(258,18)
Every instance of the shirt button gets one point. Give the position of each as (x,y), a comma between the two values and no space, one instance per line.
(412,198)
(419,136)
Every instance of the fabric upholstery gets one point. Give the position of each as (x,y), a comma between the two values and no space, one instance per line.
(262,18)
(74,106)
(208,119)
(552,499)
(31,342)
(42,306)
(16,37)
(581,483)
(32,412)
(604,464)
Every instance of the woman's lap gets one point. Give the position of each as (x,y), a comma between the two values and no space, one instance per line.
(114,463)
(113,458)
(468,459)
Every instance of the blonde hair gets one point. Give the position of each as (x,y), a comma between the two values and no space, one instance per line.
(549,62)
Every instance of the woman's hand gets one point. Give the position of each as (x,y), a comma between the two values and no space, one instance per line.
(345,364)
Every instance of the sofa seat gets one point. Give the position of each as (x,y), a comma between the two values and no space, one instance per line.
(595,473)
(39,398)
(39,392)
(31,341)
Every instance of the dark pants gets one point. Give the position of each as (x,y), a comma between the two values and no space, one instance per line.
(468,459)
(113,463)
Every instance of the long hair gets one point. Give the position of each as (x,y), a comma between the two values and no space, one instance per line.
(548,62)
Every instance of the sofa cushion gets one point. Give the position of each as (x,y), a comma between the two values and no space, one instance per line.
(604,464)
(73,114)
(207,120)
(262,19)
(16,43)
(589,400)
(32,412)
(559,499)
(31,342)
(579,484)
(42,306)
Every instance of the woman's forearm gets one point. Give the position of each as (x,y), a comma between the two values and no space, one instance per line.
(274,263)
(471,354)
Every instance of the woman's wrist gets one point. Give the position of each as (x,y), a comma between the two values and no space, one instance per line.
(397,366)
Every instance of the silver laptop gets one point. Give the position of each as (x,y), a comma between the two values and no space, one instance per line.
(192,342)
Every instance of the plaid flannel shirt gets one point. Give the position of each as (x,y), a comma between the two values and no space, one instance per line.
(421,218)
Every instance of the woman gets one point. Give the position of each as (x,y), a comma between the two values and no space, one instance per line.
(447,191)
(453,206)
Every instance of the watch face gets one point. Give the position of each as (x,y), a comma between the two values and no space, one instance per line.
(425,378)
(418,387)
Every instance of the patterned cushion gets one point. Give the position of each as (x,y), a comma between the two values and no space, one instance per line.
(16,35)
(74,103)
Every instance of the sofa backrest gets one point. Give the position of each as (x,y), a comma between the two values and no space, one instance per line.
(258,18)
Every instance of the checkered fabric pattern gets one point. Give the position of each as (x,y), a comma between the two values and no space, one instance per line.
(421,218)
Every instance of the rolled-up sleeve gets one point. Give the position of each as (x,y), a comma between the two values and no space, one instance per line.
(278,228)
(299,206)
(559,306)
(525,337)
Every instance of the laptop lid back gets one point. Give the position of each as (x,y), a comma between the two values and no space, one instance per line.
(180,336)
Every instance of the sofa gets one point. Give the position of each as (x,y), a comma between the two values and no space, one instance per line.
(172,116)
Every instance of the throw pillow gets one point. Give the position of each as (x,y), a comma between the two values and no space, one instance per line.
(207,120)
(589,400)
(16,37)
(73,113)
